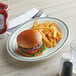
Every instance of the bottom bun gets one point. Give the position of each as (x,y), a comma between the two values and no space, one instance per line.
(26,55)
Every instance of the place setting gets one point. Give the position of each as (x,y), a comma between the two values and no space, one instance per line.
(35,36)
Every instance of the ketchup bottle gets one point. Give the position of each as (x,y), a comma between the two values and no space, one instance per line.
(3,18)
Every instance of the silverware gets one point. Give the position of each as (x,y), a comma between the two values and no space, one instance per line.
(38,14)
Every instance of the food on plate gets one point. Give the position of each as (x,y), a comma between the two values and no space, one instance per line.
(30,43)
(51,35)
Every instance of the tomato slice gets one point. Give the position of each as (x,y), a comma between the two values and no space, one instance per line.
(34,51)
(19,51)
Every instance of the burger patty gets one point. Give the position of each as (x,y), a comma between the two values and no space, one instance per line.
(30,49)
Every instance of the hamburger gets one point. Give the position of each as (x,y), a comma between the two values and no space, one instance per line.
(30,43)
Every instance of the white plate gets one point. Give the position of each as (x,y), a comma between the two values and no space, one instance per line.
(12,44)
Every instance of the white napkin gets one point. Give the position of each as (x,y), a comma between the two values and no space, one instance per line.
(22,19)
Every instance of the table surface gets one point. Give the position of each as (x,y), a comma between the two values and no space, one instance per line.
(62,9)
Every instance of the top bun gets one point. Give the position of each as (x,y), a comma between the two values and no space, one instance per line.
(29,38)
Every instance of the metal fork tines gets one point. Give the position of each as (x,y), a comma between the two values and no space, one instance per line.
(38,14)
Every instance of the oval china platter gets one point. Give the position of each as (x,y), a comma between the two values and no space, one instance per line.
(12,44)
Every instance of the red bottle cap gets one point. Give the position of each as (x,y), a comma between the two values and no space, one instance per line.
(3,6)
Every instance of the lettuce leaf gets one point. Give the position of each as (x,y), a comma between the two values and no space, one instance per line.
(41,50)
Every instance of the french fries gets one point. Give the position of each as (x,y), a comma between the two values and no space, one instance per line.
(51,35)
(45,39)
(36,23)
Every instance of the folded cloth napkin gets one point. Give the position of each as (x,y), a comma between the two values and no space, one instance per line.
(15,23)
